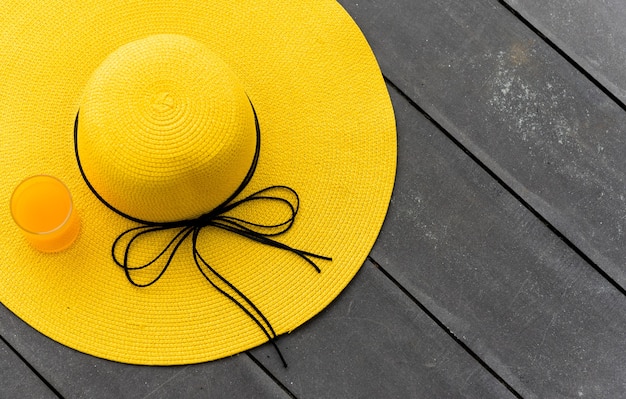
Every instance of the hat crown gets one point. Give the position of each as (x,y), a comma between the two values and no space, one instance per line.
(167,131)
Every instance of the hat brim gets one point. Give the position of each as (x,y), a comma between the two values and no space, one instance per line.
(328,132)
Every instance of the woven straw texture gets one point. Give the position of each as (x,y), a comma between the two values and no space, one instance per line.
(328,132)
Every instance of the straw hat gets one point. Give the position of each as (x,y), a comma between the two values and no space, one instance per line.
(250,143)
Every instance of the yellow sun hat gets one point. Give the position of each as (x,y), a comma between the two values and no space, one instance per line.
(231,164)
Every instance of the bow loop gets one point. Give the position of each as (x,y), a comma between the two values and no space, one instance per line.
(145,252)
(268,212)
(264,214)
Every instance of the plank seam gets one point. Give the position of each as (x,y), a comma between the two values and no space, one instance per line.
(447,330)
(511,191)
(563,54)
(270,375)
(31,368)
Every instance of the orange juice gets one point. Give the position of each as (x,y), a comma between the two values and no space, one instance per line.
(42,207)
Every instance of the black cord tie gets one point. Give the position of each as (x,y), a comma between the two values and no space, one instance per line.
(260,232)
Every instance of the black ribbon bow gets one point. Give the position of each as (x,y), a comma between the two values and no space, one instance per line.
(260,232)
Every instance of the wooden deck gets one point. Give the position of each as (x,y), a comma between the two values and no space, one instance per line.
(500,271)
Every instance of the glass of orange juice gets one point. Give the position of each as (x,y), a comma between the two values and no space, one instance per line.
(42,208)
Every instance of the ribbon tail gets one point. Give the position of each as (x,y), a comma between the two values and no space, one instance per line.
(255,314)
(263,239)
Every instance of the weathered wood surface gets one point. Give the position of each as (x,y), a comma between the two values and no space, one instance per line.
(374,342)
(18,381)
(531,300)
(498,278)
(536,122)
(592,33)
(500,269)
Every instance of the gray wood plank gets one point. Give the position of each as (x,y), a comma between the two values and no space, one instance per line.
(518,106)
(17,380)
(76,375)
(373,342)
(496,276)
(593,33)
